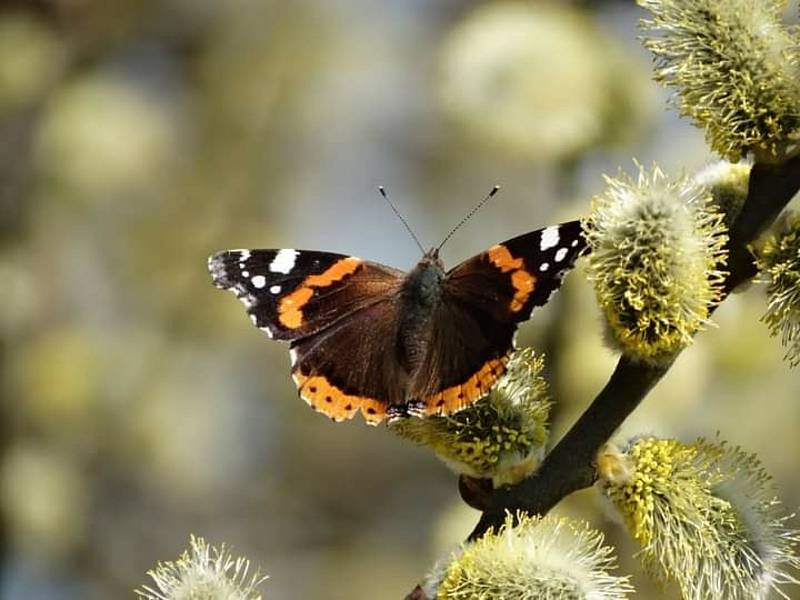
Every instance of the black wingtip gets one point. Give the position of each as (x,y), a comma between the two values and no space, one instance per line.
(218,268)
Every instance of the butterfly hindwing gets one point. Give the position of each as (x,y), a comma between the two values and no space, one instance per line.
(352,366)
(466,354)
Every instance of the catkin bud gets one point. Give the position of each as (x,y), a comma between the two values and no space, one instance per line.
(779,262)
(500,437)
(735,69)
(728,184)
(204,573)
(657,250)
(706,517)
(546,558)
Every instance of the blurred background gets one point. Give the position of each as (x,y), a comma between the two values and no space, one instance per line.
(139,404)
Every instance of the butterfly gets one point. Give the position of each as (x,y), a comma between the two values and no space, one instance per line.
(367,337)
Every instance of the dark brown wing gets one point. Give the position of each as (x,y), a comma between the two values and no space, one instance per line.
(483,301)
(510,279)
(340,315)
(353,365)
(466,354)
(291,294)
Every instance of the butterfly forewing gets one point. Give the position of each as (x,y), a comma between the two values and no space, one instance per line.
(510,279)
(294,293)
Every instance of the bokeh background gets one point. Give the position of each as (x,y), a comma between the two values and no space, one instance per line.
(138,403)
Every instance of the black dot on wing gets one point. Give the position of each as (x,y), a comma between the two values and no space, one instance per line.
(461,395)
(371,411)
(312,389)
(349,407)
(328,399)
(440,403)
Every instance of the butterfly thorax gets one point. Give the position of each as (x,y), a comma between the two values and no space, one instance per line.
(423,285)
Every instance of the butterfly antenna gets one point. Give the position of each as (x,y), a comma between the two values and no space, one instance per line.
(477,207)
(399,216)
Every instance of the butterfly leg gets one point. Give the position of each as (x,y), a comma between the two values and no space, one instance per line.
(395,412)
(416,408)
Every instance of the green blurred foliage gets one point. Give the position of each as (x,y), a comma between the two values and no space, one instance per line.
(140,405)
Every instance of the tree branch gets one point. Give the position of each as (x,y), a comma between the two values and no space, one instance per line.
(569,467)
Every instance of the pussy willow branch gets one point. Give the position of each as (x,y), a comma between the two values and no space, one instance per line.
(569,467)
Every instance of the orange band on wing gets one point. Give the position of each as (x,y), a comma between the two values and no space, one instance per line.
(460,396)
(326,398)
(290,308)
(502,259)
(524,282)
(290,312)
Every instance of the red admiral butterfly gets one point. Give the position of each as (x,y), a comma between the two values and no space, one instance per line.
(364,336)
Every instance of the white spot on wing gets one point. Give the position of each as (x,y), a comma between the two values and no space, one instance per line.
(574,243)
(293,356)
(268,331)
(283,261)
(275,289)
(544,266)
(259,281)
(550,238)
(562,252)
(243,256)
(245,273)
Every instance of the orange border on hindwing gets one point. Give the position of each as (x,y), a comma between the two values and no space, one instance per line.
(321,395)
(460,396)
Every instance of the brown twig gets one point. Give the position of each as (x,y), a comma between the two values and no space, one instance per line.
(569,466)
